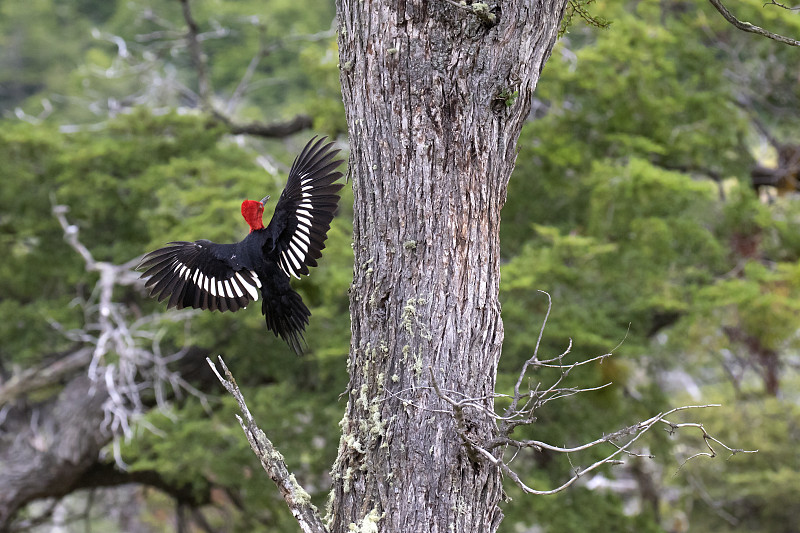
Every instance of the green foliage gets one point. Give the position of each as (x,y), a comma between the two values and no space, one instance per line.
(40,44)
(644,251)
(291,40)
(325,102)
(579,510)
(582,10)
(143,181)
(752,492)
(610,210)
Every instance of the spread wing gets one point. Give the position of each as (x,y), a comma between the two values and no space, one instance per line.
(305,209)
(201,274)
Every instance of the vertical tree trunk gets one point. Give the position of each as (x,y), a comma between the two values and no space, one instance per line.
(435,96)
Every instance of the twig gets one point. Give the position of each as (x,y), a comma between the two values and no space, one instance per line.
(516,415)
(198,58)
(535,357)
(296,497)
(708,439)
(638,430)
(751,28)
(262,52)
(782,6)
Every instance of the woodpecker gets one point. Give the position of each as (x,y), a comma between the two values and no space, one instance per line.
(227,277)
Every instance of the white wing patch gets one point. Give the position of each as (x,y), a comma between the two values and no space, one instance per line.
(224,288)
(239,292)
(304,217)
(249,286)
(312,200)
(294,257)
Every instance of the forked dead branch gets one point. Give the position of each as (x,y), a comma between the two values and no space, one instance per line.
(126,352)
(524,404)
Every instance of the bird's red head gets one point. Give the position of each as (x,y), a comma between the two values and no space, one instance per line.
(253,213)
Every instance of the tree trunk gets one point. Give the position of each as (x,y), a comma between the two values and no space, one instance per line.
(47,461)
(435,96)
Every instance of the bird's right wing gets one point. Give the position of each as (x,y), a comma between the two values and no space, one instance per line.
(306,207)
(202,275)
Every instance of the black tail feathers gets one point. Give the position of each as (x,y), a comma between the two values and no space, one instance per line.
(286,316)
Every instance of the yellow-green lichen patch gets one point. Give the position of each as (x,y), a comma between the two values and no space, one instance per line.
(368,524)
(299,493)
(409,318)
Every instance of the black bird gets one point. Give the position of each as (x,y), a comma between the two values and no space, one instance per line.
(227,277)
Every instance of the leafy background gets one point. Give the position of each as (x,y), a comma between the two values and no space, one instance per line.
(631,206)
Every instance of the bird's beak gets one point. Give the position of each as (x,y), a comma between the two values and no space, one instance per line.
(264,201)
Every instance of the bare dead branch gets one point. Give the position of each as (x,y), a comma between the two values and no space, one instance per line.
(44,375)
(780,5)
(43,455)
(259,129)
(198,57)
(263,51)
(116,358)
(269,130)
(534,358)
(622,440)
(636,431)
(708,439)
(536,397)
(751,28)
(107,475)
(126,354)
(296,497)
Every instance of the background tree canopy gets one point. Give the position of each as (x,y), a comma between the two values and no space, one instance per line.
(632,205)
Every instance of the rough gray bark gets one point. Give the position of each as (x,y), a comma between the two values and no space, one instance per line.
(46,459)
(435,94)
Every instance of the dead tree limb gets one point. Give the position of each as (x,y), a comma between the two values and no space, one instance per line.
(521,411)
(48,444)
(263,129)
(43,454)
(751,28)
(45,375)
(296,497)
(205,91)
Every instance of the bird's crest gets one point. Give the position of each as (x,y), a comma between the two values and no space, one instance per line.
(253,213)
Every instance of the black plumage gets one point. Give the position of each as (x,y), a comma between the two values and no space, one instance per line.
(227,277)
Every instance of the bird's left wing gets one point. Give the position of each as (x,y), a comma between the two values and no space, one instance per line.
(201,274)
(305,209)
